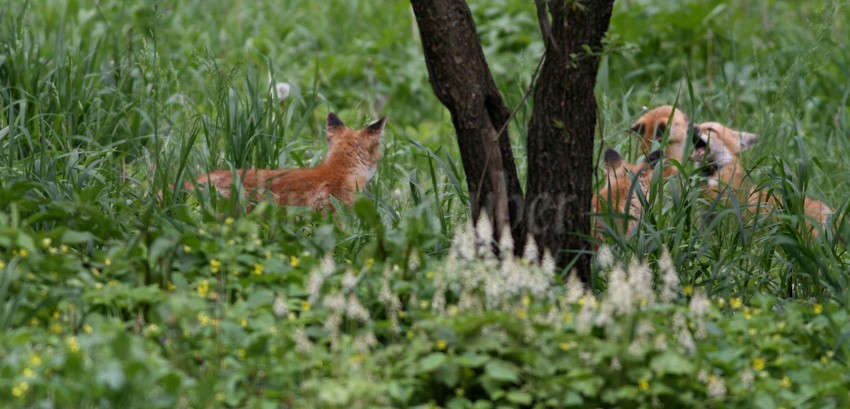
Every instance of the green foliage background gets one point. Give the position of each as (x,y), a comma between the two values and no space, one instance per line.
(118,290)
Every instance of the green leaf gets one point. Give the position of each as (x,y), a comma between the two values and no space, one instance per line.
(501,371)
(432,362)
(520,398)
(76,237)
(671,363)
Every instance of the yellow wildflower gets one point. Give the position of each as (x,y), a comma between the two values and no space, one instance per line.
(689,289)
(107,261)
(305,306)
(73,344)
(229,221)
(45,242)
(817,308)
(28,373)
(526,301)
(243,323)
(2,264)
(758,364)
(88,329)
(643,384)
(357,358)
(258,269)
(522,313)
(35,360)
(170,286)
(203,288)
(735,303)
(203,319)
(219,396)
(441,344)
(24,253)
(20,389)
(187,249)
(294,261)
(785,382)
(369,262)
(429,275)
(56,328)
(215,265)
(242,353)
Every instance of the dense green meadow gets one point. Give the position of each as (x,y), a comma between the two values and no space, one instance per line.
(119,289)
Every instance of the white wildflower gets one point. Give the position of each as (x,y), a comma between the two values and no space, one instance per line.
(700,305)
(506,244)
(716,387)
(302,341)
(670,285)
(414,262)
(282,89)
(355,309)
(279,306)
(683,335)
(584,321)
(362,343)
(575,288)
(747,378)
(615,364)
(328,265)
(640,282)
(619,292)
(605,257)
(484,234)
(548,263)
(314,285)
(349,280)
(335,302)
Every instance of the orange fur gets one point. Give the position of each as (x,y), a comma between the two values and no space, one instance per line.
(654,124)
(618,196)
(718,147)
(351,162)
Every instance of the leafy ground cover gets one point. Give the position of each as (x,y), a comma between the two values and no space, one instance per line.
(116,290)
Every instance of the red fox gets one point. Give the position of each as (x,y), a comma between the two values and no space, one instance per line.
(351,162)
(624,184)
(717,148)
(652,126)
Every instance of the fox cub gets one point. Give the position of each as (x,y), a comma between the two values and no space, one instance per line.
(717,148)
(351,162)
(652,126)
(625,183)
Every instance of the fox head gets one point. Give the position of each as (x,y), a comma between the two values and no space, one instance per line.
(657,122)
(717,148)
(624,183)
(356,149)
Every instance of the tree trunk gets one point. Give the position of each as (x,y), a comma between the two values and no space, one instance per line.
(461,79)
(561,129)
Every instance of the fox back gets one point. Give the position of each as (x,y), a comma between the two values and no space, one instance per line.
(718,148)
(351,163)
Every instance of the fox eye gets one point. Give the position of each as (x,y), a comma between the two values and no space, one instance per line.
(659,131)
(637,128)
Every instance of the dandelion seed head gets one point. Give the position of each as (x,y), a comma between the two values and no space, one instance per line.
(282,90)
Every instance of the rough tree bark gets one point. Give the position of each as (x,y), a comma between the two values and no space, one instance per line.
(461,79)
(562,126)
(561,131)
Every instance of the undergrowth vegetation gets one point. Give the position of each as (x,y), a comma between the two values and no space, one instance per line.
(120,289)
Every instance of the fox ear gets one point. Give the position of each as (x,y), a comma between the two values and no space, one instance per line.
(378,127)
(334,121)
(612,160)
(637,128)
(748,140)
